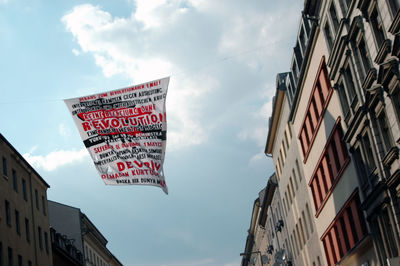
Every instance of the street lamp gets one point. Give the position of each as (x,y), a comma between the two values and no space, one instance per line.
(253,252)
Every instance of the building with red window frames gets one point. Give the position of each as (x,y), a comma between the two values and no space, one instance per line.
(319,124)
(334,136)
(343,92)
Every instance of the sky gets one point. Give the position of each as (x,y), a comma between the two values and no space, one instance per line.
(222,56)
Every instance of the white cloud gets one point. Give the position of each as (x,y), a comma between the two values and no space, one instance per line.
(258,159)
(166,37)
(63,130)
(76,52)
(257,132)
(56,159)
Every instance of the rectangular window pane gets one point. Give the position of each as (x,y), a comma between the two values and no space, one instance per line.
(17,225)
(37,199)
(1,255)
(4,166)
(27,230)
(15,181)
(334,18)
(44,205)
(40,237)
(24,190)
(46,242)
(10,257)
(8,212)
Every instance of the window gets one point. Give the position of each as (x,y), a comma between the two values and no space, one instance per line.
(310,218)
(44,205)
(289,193)
(343,99)
(293,245)
(298,169)
(27,231)
(334,17)
(46,242)
(15,181)
(287,200)
(384,228)
(347,229)
(4,166)
(394,6)
(330,166)
(345,5)
(302,232)
(295,179)
(364,158)
(24,192)
(284,205)
(316,106)
(298,237)
(29,263)
(17,224)
(291,186)
(8,213)
(350,87)
(277,171)
(279,167)
(347,92)
(283,157)
(302,41)
(37,199)
(298,249)
(377,26)
(384,131)
(294,70)
(305,224)
(1,255)
(328,36)
(362,54)
(10,257)
(40,238)
(19,260)
(287,140)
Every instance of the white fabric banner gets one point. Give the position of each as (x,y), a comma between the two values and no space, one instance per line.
(125,132)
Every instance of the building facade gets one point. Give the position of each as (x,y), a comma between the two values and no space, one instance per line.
(301,244)
(338,109)
(363,60)
(24,222)
(82,233)
(64,251)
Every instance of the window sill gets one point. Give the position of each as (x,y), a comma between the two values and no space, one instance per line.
(384,50)
(391,156)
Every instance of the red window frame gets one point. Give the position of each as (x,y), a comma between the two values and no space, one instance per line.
(316,107)
(346,230)
(330,167)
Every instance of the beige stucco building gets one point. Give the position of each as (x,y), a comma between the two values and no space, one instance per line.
(24,222)
(300,239)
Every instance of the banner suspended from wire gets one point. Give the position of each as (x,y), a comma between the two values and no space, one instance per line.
(125,132)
